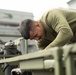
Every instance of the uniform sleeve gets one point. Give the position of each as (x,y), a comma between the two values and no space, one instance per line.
(59,23)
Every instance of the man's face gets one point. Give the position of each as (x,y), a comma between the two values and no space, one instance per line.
(37,32)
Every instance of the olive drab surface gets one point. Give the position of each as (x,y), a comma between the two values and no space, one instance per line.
(55,61)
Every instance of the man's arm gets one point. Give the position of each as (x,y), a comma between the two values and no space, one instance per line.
(60,25)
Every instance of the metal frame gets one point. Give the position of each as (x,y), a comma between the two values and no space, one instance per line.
(38,57)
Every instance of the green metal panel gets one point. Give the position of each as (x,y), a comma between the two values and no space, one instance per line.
(69,59)
(35,61)
(31,60)
(58,62)
(33,64)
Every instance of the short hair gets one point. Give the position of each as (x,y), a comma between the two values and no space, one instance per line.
(25,27)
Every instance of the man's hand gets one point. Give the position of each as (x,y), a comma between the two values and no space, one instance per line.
(16,71)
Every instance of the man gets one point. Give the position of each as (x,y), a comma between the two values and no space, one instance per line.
(56,27)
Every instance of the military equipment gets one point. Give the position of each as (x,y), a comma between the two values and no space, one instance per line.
(40,63)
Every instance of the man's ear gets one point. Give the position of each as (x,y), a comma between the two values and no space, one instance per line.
(37,24)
